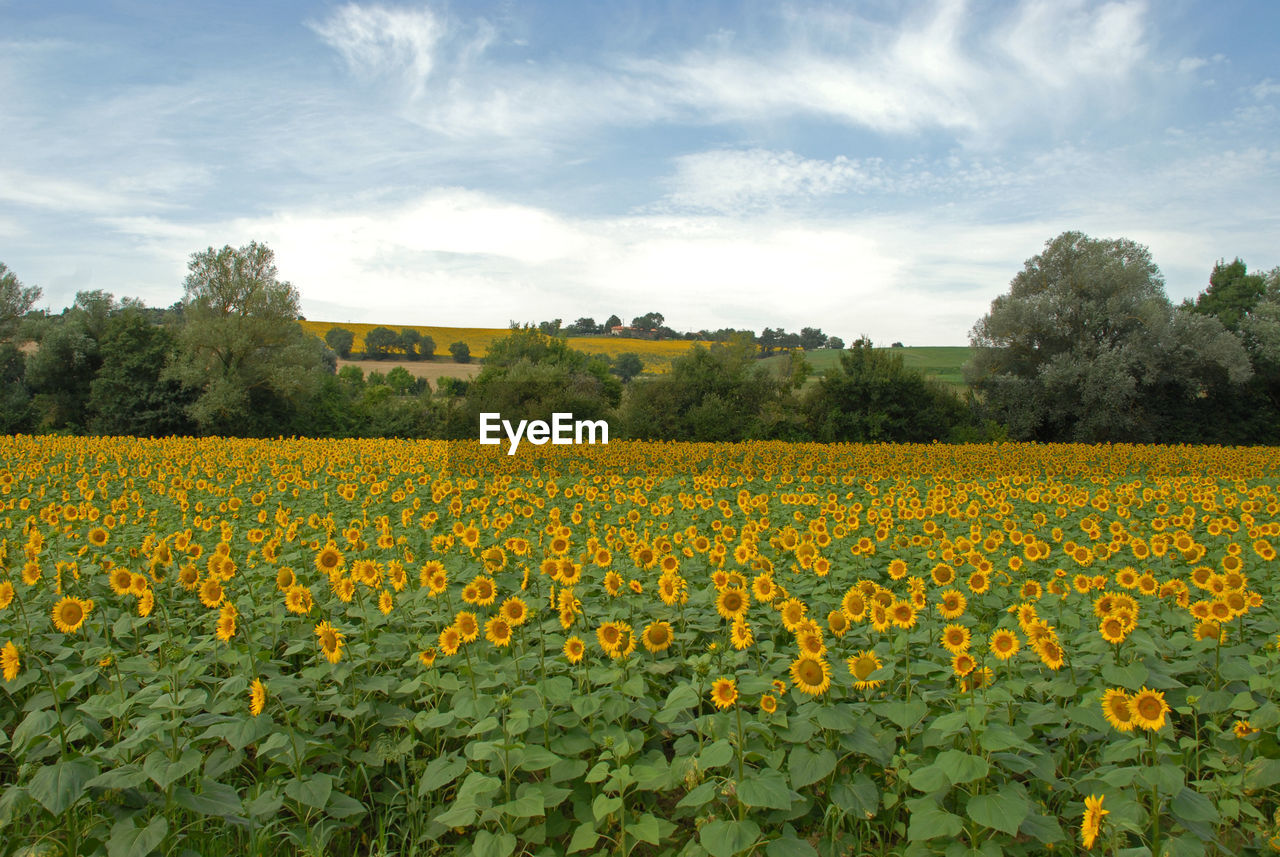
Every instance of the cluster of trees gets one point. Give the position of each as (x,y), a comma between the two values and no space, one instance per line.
(1085,346)
(653,326)
(383,343)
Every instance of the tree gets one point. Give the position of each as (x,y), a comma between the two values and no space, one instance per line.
(461,352)
(872,397)
(16,300)
(550,328)
(340,340)
(610,323)
(835,342)
(648,321)
(240,346)
(627,366)
(379,342)
(410,340)
(1232,294)
(582,327)
(1086,347)
(129,394)
(811,338)
(60,372)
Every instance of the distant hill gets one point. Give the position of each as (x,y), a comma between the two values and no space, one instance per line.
(657,356)
(943,363)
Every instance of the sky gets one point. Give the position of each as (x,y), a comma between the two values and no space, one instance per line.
(869,168)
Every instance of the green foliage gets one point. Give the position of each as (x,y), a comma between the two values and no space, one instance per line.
(1232,294)
(380,342)
(239,347)
(461,352)
(872,397)
(1086,347)
(130,395)
(627,366)
(340,340)
(16,300)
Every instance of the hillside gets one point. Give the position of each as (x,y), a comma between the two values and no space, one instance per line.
(943,363)
(657,356)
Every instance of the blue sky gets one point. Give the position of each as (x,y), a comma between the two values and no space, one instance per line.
(876,168)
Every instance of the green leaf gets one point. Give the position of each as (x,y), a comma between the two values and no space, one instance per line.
(1261,774)
(129,841)
(1043,828)
(698,796)
(526,805)
(930,778)
(583,838)
(1191,806)
(861,797)
(59,785)
(461,813)
(123,777)
(597,773)
(961,767)
(1131,677)
(488,844)
(766,789)
(1003,811)
(715,755)
(789,846)
(37,724)
(164,772)
(312,790)
(929,821)
(997,736)
(537,758)
(343,806)
(214,799)
(645,828)
(807,767)
(439,772)
(727,838)
(604,805)
(904,715)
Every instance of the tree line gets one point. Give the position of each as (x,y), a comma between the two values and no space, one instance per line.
(1085,346)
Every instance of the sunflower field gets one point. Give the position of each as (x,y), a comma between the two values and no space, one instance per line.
(377,647)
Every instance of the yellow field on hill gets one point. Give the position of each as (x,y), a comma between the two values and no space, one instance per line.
(657,356)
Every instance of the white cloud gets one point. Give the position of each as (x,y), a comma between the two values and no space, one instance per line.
(381,41)
(739,181)
(1265,89)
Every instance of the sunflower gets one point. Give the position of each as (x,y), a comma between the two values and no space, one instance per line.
(6,594)
(331,641)
(962,663)
(981,677)
(498,631)
(732,603)
(897,569)
(450,639)
(285,578)
(486,590)
(386,602)
(1113,629)
(764,588)
(978,582)
(613,583)
(952,605)
(1092,821)
(257,697)
(9,661)
(862,666)
(494,558)
(724,693)
(574,649)
(903,614)
(189,576)
(1242,728)
(121,579)
(1004,644)
(768,703)
(609,636)
(1116,708)
(98,536)
(467,625)
(211,593)
(515,611)
(854,604)
(955,639)
(1149,709)
(1050,653)
(837,623)
(793,610)
(298,600)
(811,675)
(329,559)
(657,636)
(69,614)
(427,657)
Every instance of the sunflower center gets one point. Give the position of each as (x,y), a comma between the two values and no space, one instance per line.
(809,671)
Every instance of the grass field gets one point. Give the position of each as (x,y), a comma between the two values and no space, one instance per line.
(379,647)
(657,356)
(942,363)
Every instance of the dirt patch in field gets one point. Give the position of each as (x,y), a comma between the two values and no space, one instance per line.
(430,369)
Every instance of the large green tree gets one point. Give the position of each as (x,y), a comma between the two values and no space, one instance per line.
(1087,347)
(16,300)
(240,347)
